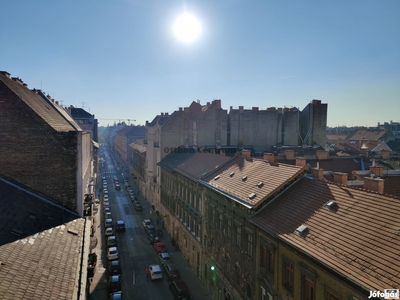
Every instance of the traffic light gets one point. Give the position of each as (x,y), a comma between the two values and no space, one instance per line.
(212,268)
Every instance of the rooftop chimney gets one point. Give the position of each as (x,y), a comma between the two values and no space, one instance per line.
(268,157)
(255,108)
(374,184)
(340,177)
(241,109)
(385,154)
(17,79)
(6,74)
(376,170)
(322,154)
(317,173)
(217,103)
(289,154)
(301,161)
(246,153)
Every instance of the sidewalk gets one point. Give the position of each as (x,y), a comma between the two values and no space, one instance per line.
(98,286)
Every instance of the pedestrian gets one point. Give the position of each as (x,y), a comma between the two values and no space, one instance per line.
(147,272)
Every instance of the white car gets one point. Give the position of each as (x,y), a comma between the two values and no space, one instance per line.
(112,253)
(146,222)
(109,231)
(155,272)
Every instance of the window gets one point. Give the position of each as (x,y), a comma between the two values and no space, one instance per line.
(250,244)
(248,290)
(288,274)
(307,286)
(221,221)
(238,235)
(229,229)
(267,259)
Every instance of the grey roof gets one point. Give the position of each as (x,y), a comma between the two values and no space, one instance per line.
(24,213)
(45,265)
(50,112)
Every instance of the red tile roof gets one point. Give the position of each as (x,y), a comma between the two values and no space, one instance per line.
(251,182)
(360,239)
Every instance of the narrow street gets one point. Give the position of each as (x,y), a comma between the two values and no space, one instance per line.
(135,251)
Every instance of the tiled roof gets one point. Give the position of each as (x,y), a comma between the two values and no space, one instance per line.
(359,239)
(24,213)
(200,165)
(366,134)
(78,113)
(45,265)
(172,160)
(251,182)
(44,108)
(339,164)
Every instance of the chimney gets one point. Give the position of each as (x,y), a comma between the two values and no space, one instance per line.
(322,154)
(180,109)
(316,102)
(385,154)
(246,153)
(16,79)
(166,114)
(222,152)
(217,103)
(374,184)
(289,154)
(271,109)
(255,108)
(162,114)
(317,173)
(340,177)
(376,170)
(268,157)
(6,74)
(301,161)
(241,109)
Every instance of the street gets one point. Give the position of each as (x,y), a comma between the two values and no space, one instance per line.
(135,251)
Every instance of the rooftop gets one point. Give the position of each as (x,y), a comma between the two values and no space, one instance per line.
(359,237)
(252,181)
(44,265)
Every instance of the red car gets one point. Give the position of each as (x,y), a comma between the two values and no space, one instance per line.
(159,247)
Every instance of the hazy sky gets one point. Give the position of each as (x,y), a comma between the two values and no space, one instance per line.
(119,59)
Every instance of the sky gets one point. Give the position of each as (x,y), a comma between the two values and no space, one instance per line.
(121,60)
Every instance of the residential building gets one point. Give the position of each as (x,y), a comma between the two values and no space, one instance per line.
(233,194)
(42,147)
(323,240)
(125,136)
(182,208)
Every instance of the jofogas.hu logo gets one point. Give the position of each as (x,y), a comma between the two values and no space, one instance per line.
(386,294)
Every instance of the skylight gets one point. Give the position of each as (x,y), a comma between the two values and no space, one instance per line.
(217,177)
(331,204)
(260,184)
(252,196)
(302,230)
(244,178)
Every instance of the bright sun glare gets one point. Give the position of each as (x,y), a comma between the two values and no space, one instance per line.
(187,28)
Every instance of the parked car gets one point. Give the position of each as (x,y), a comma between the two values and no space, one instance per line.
(116,296)
(109,231)
(179,289)
(150,229)
(137,206)
(155,272)
(107,215)
(109,223)
(111,241)
(163,257)
(171,271)
(117,187)
(114,267)
(112,253)
(105,197)
(114,283)
(153,238)
(146,222)
(159,247)
(120,226)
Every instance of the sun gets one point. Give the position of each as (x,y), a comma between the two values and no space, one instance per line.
(187,28)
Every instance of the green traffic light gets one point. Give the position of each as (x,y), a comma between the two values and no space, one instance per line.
(212,268)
